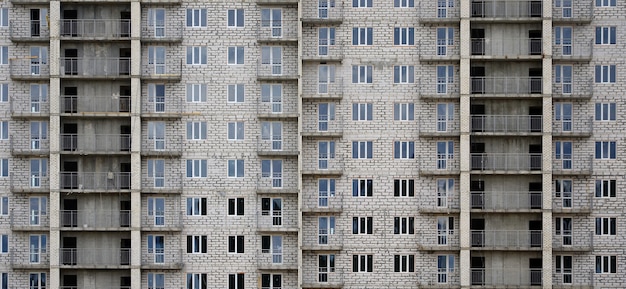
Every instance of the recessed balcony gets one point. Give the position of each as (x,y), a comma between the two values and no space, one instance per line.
(505,201)
(434,12)
(439,240)
(568,127)
(507,163)
(277,31)
(324,126)
(506,11)
(506,240)
(95,143)
(29,259)
(438,165)
(580,12)
(94,258)
(22,106)
(29,31)
(162,31)
(506,48)
(572,241)
(441,52)
(573,89)
(95,29)
(323,240)
(506,124)
(323,50)
(276,108)
(29,69)
(567,164)
(95,68)
(95,106)
(506,86)
(162,259)
(439,128)
(98,220)
(505,277)
(94,181)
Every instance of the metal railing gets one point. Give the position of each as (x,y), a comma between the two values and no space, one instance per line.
(577,49)
(95,142)
(160,106)
(95,219)
(278,70)
(29,29)
(277,30)
(162,220)
(94,257)
(503,276)
(173,182)
(506,85)
(167,145)
(170,67)
(324,276)
(506,161)
(29,67)
(506,238)
(156,257)
(98,28)
(506,47)
(506,9)
(505,200)
(25,182)
(25,144)
(507,123)
(94,181)
(166,31)
(276,220)
(333,12)
(322,239)
(94,67)
(81,104)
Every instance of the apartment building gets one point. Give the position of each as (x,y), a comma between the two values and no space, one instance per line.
(312,144)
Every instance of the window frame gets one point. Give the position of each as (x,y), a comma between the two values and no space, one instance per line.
(198,245)
(196,55)
(362,111)
(403,74)
(238,55)
(605,226)
(197,167)
(196,92)
(362,187)
(404,225)
(362,150)
(605,111)
(403,150)
(196,206)
(197,281)
(404,111)
(403,36)
(606,264)
(236,207)
(236,164)
(605,73)
(404,188)
(236,131)
(196,21)
(605,150)
(362,225)
(404,263)
(362,74)
(235,18)
(362,36)
(236,93)
(236,244)
(605,188)
(605,35)
(196,130)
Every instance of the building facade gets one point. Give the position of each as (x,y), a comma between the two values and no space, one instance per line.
(312,144)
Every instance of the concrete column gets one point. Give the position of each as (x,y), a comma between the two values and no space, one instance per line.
(464,145)
(135,121)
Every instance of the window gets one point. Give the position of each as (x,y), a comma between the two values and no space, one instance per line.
(442,7)
(235,55)
(563,38)
(404,263)
(563,227)
(445,229)
(156,171)
(605,73)
(4,167)
(326,190)
(272,94)
(362,3)
(445,152)
(271,281)
(403,150)
(605,150)
(38,57)
(156,211)
(606,264)
(156,96)
(445,187)
(606,35)
(37,280)
(445,76)
(272,20)
(196,18)
(235,18)
(362,187)
(403,225)
(4,55)
(4,281)
(563,190)
(445,266)
(325,38)
(273,170)
(236,207)
(196,168)
(563,75)
(4,17)
(196,55)
(196,206)
(606,3)
(403,36)
(326,152)
(362,35)
(606,188)
(4,130)
(236,93)
(273,245)
(196,130)
(404,3)
(326,228)
(326,265)
(361,74)
(403,111)
(197,281)
(197,244)
(563,266)
(196,92)
(403,74)
(445,115)
(4,92)
(605,111)
(156,281)
(606,226)
(38,208)
(273,207)
(39,132)
(156,248)
(272,131)
(362,225)
(236,244)
(272,58)
(445,38)
(362,111)
(563,114)
(362,263)
(361,149)
(235,168)
(325,116)
(563,152)
(4,206)
(236,281)
(403,188)
(156,58)
(235,130)
(4,243)
(37,247)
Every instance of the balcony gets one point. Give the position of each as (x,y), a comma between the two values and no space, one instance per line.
(29,31)
(506,86)
(283,108)
(323,240)
(94,258)
(29,69)
(276,145)
(577,50)
(281,258)
(322,278)
(322,126)
(162,259)
(573,241)
(506,162)
(92,181)
(276,221)
(95,29)
(430,127)
(95,144)
(434,165)
(331,14)
(275,184)
(576,278)
(506,48)
(95,105)
(95,68)
(323,204)
(581,12)
(565,203)
(506,124)
(162,32)
(438,240)
(573,89)
(172,184)
(162,69)
(24,145)
(579,127)
(332,166)
(505,277)
(442,51)
(162,107)
(576,165)
(438,88)
(29,260)
(430,12)
(162,221)
(167,146)
(35,221)
(506,240)
(276,2)
(98,220)
(506,201)
(499,10)
(276,71)
(26,183)
(22,106)
(322,50)
(277,31)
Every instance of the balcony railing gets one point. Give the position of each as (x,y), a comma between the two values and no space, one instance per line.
(506,85)
(29,221)
(23,106)
(278,221)
(323,50)
(273,259)
(506,201)
(25,182)
(162,107)
(27,145)
(507,123)
(275,183)
(330,203)
(439,87)
(29,30)
(169,145)
(522,239)
(277,145)
(94,257)
(282,70)
(95,219)
(322,239)
(506,47)
(431,12)
(29,68)
(172,183)
(111,143)
(429,126)
(94,67)
(506,9)
(161,258)
(95,28)
(428,51)
(94,181)
(438,165)
(28,258)
(506,161)
(285,30)
(329,166)
(162,31)
(161,221)
(503,276)
(168,68)
(433,239)
(94,104)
